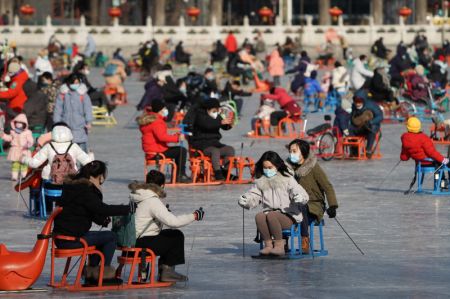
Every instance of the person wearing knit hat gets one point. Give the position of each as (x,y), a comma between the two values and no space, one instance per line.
(206,136)
(418,146)
(155,138)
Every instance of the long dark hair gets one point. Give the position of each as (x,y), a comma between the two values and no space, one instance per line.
(273,158)
(302,145)
(92,169)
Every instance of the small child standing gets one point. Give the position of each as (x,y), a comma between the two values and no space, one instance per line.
(312,91)
(21,139)
(263,115)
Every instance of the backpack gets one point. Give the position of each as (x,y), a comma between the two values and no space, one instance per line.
(110,70)
(61,166)
(125,230)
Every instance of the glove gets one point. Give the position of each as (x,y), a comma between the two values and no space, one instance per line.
(297,198)
(243,202)
(445,161)
(133,207)
(106,222)
(168,209)
(331,211)
(198,214)
(346,132)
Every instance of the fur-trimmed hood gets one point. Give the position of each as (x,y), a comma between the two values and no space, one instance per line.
(141,191)
(306,167)
(71,180)
(147,118)
(276,182)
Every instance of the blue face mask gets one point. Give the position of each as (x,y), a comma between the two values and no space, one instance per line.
(74,86)
(294,158)
(269,172)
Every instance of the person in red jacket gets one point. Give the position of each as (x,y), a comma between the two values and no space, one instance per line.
(15,94)
(155,138)
(288,105)
(231,43)
(418,146)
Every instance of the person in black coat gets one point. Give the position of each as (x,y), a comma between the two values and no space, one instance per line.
(35,108)
(399,63)
(82,203)
(219,53)
(379,49)
(233,91)
(181,56)
(206,136)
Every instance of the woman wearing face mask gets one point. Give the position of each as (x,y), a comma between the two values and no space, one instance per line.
(281,197)
(82,203)
(42,64)
(206,136)
(73,106)
(313,179)
(155,138)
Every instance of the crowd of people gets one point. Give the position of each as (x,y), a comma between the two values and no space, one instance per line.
(58,106)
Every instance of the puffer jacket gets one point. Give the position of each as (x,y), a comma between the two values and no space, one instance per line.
(154,133)
(277,193)
(20,142)
(276,64)
(285,101)
(75,109)
(61,140)
(35,107)
(359,74)
(83,204)
(206,131)
(151,214)
(314,180)
(418,146)
(375,122)
(15,94)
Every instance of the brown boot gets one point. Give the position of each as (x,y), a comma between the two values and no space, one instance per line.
(268,246)
(305,245)
(278,248)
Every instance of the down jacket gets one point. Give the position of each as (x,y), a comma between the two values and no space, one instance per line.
(314,180)
(61,140)
(418,146)
(206,131)
(151,214)
(154,133)
(15,94)
(277,193)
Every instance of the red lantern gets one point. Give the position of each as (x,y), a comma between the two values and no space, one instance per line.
(405,12)
(335,12)
(265,13)
(114,12)
(27,10)
(193,12)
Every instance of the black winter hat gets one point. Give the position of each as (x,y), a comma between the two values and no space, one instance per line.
(157,105)
(211,103)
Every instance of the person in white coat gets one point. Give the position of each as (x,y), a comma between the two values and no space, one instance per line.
(359,72)
(340,78)
(61,142)
(42,64)
(150,217)
(280,195)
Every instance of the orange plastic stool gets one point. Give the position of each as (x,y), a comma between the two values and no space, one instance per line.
(260,126)
(134,261)
(289,128)
(159,162)
(240,163)
(83,252)
(354,142)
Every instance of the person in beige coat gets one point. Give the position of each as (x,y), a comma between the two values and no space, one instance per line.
(150,217)
(280,195)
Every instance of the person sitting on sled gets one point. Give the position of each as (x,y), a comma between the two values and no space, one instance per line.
(418,146)
(280,195)
(151,215)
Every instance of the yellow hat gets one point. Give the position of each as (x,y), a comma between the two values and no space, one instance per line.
(413,125)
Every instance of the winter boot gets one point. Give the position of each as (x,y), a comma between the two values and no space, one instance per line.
(278,248)
(168,274)
(218,175)
(305,245)
(14,176)
(268,246)
(184,179)
(91,272)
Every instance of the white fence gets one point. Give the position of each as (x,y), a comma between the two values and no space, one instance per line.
(108,38)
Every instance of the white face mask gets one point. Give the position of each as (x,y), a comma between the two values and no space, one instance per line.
(213,114)
(359,107)
(164,112)
(86,72)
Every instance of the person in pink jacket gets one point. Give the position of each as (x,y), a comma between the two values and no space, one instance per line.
(276,66)
(21,139)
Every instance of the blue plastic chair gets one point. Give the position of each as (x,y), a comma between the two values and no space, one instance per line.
(48,190)
(421,170)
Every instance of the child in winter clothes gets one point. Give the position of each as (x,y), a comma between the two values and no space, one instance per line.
(151,215)
(280,195)
(21,139)
(312,91)
(276,67)
(263,115)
